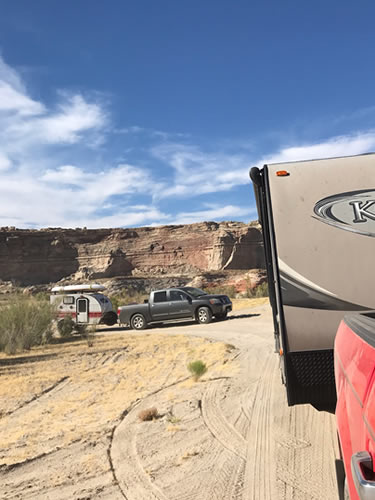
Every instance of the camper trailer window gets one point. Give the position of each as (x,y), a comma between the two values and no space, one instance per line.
(68,300)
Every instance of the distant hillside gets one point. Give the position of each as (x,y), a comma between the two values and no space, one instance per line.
(31,257)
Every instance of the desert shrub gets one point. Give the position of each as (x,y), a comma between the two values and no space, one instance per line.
(88,332)
(148,414)
(262,290)
(197,369)
(258,291)
(66,326)
(127,297)
(43,296)
(229,290)
(250,293)
(25,323)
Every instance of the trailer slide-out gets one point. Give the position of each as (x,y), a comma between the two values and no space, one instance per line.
(318,222)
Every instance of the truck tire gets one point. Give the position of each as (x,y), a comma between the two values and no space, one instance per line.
(138,322)
(204,315)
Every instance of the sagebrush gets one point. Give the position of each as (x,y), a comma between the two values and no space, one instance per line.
(127,297)
(24,323)
(197,369)
(258,291)
(65,326)
(148,414)
(229,290)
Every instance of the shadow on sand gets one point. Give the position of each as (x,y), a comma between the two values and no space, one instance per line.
(176,323)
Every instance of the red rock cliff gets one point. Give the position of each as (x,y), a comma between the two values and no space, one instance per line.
(45,256)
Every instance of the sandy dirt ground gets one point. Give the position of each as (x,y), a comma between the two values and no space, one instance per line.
(70,427)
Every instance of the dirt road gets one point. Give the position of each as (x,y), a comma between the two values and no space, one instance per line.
(69,425)
(239,440)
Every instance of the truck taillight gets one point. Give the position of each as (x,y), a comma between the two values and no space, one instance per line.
(118,311)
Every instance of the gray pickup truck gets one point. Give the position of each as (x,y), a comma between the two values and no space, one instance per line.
(173,304)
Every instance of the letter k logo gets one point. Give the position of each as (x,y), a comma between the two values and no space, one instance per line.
(361,210)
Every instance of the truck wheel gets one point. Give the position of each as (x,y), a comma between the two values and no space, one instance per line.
(204,315)
(138,322)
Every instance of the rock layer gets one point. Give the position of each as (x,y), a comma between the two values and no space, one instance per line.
(44,256)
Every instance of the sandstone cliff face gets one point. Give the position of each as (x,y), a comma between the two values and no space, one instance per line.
(45,256)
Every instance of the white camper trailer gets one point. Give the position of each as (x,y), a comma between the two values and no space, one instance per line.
(85,304)
(318,222)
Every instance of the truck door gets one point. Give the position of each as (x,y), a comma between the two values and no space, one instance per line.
(179,305)
(159,309)
(82,310)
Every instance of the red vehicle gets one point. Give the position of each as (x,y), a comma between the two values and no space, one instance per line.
(354,358)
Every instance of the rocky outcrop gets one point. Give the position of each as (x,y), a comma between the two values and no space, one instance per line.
(44,256)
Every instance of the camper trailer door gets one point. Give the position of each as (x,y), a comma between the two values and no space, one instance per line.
(82,310)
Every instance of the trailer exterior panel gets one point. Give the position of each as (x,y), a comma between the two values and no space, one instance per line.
(318,220)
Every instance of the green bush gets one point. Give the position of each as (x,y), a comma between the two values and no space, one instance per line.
(127,297)
(262,290)
(66,326)
(258,291)
(25,323)
(229,290)
(197,369)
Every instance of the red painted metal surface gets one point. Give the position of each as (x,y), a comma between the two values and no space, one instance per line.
(73,314)
(355,410)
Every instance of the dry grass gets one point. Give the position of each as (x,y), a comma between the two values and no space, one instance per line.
(102,381)
(148,414)
(239,304)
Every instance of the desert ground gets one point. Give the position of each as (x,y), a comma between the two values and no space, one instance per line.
(70,426)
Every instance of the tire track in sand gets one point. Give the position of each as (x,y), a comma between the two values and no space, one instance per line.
(131,477)
(218,425)
(260,453)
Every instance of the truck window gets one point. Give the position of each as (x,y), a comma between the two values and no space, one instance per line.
(160,297)
(176,295)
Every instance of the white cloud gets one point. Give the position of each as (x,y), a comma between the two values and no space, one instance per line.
(73,117)
(347,145)
(13,95)
(35,189)
(46,178)
(197,172)
(48,203)
(5,162)
(215,213)
(12,100)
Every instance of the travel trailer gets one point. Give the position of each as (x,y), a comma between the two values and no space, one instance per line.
(85,304)
(318,222)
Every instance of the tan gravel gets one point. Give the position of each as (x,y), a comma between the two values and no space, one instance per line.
(70,427)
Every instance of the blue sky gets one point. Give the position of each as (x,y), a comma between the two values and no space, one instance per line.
(124,113)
